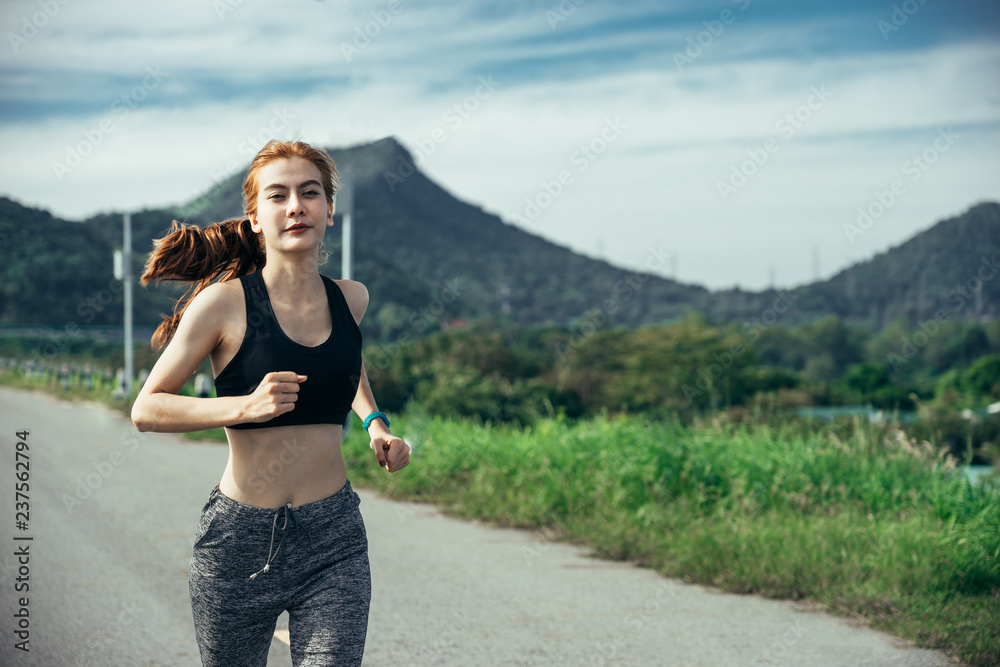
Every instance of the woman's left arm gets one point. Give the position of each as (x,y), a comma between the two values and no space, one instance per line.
(392,453)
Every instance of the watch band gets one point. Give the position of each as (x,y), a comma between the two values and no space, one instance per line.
(373,416)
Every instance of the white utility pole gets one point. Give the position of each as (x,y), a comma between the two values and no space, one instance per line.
(127,279)
(345,206)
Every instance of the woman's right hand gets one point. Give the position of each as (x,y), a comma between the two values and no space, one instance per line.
(275,395)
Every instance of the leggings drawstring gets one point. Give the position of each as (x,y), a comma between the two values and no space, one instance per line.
(288,512)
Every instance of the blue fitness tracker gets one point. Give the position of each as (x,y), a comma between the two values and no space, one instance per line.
(373,416)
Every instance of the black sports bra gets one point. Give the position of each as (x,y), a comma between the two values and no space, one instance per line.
(333,368)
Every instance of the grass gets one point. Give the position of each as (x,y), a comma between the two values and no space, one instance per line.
(100,392)
(876,529)
(861,520)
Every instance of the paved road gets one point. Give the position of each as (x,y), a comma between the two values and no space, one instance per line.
(113,512)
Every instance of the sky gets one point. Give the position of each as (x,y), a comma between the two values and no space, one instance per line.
(756,142)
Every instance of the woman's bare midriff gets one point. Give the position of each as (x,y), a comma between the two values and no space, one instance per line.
(269,467)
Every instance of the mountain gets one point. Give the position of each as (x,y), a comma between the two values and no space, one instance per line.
(403,218)
(407,219)
(951,267)
(57,272)
(429,258)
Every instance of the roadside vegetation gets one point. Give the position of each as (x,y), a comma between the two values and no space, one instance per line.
(857,518)
(672,447)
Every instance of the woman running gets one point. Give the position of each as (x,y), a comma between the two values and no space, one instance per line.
(281,531)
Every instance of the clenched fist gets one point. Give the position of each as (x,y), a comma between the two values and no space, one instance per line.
(392,453)
(275,395)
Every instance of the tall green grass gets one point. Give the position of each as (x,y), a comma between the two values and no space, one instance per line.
(862,519)
(872,525)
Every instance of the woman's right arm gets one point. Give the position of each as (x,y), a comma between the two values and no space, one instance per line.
(158,407)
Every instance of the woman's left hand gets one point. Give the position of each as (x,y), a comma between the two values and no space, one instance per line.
(392,453)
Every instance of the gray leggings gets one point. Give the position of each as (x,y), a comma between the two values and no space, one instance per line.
(249,564)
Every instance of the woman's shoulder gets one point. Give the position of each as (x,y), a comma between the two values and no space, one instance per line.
(222,291)
(220,298)
(352,286)
(212,313)
(356,295)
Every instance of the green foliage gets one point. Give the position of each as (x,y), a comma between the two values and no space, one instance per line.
(918,353)
(767,380)
(979,383)
(442,337)
(658,370)
(983,378)
(684,368)
(867,378)
(850,522)
(829,347)
(76,351)
(872,383)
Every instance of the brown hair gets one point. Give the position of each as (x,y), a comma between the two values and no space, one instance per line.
(228,249)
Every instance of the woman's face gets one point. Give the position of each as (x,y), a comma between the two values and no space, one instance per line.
(292,211)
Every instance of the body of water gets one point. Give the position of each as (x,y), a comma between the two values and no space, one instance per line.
(975,474)
(829,413)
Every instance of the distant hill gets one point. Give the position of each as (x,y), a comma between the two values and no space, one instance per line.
(922,275)
(416,245)
(412,223)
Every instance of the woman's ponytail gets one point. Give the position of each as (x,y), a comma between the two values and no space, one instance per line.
(200,255)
